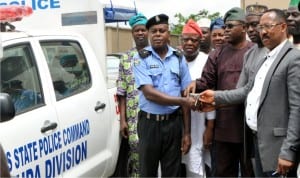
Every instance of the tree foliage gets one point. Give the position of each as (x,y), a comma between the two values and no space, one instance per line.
(177,28)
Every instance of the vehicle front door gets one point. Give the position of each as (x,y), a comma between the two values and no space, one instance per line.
(32,139)
(81,104)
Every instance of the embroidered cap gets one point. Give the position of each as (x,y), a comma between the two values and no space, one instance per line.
(255,9)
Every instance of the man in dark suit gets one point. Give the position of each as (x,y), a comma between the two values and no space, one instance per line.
(272,99)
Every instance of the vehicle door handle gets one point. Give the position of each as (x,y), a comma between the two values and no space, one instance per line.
(100,106)
(48,126)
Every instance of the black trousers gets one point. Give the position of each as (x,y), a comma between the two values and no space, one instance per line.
(122,164)
(159,141)
(229,160)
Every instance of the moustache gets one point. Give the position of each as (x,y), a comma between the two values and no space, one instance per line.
(265,37)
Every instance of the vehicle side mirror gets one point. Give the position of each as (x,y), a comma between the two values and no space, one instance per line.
(7,108)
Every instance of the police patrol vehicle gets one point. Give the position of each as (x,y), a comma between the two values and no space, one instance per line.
(67,120)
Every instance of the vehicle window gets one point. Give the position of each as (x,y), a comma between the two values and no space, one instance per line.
(112,69)
(19,77)
(68,67)
(112,63)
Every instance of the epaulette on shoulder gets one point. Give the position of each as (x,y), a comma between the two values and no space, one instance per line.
(178,53)
(144,53)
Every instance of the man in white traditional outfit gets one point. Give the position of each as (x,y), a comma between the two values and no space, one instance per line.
(201,133)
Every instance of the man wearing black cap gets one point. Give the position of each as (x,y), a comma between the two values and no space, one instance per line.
(222,72)
(161,74)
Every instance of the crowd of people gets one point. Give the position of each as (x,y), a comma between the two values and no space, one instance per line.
(225,103)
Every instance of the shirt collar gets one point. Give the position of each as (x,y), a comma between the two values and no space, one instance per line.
(276,50)
(169,53)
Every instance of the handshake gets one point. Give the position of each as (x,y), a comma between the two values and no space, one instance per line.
(205,101)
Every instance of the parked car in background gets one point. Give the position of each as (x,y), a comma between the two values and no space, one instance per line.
(112,67)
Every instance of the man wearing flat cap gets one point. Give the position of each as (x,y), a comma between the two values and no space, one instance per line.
(197,157)
(221,72)
(128,94)
(161,75)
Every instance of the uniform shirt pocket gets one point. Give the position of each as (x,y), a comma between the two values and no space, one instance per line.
(156,75)
(279,132)
(175,77)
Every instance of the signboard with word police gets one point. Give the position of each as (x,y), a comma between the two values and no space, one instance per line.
(35,4)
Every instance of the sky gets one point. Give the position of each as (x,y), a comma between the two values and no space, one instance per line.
(186,7)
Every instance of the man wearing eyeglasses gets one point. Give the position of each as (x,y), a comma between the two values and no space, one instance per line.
(222,72)
(251,58)
(272,100)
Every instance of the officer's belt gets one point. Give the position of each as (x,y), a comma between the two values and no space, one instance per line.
(159,117)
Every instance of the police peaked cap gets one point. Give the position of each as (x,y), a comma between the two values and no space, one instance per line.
(158,19)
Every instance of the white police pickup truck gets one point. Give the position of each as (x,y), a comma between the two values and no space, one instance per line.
(67,121)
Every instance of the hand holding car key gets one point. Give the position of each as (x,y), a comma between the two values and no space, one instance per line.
(201,106)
